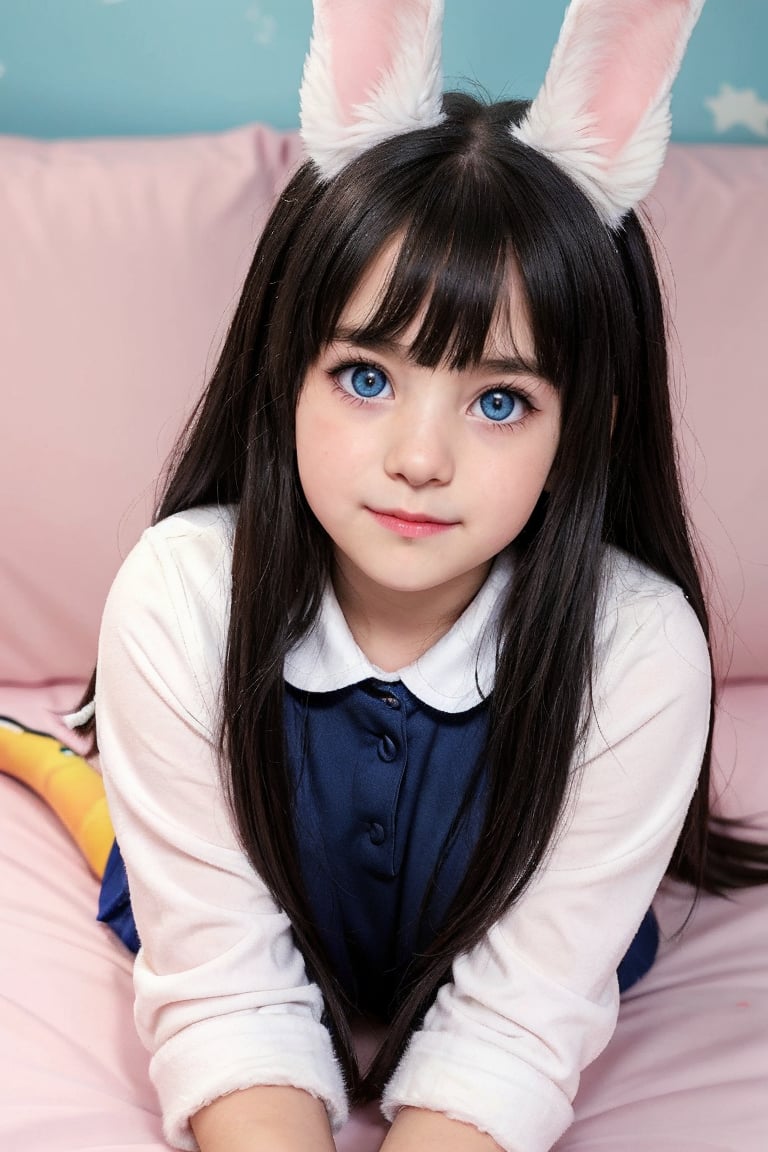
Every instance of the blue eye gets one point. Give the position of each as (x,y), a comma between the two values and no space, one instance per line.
(363,380)
(502,407)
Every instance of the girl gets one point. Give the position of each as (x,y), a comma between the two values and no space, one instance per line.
(403,702)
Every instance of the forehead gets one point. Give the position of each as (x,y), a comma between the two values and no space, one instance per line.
(510,331)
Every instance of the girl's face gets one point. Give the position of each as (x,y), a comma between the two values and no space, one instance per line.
(421,476)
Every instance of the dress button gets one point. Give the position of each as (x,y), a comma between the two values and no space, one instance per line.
(376,834)
(387,749)
(391,701)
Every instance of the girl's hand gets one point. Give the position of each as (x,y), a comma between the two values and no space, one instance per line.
(417,1130)
(264,1119)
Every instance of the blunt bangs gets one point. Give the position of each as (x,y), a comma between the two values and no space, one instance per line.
(452,270)
(477,214)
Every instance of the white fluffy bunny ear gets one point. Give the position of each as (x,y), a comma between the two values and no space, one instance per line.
(603,112)
(373,71)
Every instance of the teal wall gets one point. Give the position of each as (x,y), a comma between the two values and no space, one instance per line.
(104,67)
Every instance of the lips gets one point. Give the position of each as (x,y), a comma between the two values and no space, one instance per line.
(411,525)
(411,517)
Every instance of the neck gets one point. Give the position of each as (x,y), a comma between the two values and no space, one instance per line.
(394,628)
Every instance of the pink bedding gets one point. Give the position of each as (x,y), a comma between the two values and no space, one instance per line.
(687,1070)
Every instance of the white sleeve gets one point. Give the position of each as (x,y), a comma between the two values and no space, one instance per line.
(536,1000)
(222,997)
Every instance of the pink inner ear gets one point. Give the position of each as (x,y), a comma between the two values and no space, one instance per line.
(363,35)
(639,56)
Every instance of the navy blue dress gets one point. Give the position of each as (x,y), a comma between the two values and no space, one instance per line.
(380,781)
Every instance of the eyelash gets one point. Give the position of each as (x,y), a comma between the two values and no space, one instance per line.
(359,401)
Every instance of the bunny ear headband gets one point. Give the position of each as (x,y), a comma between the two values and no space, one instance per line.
(602,115)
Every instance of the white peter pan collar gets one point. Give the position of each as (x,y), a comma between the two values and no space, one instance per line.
(453,675)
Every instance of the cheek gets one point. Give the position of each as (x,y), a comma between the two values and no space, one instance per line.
(312,453)
(508,484)
(323,448)
(314,425)
(329,431)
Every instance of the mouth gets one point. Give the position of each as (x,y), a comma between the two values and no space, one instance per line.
(410,524)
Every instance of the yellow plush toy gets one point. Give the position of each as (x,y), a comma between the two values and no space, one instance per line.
(65,781)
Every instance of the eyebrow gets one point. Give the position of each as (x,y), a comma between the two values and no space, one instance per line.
(500,364)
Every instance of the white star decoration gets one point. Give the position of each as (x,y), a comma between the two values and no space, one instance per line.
(2,70)
(264,25)
(739,107)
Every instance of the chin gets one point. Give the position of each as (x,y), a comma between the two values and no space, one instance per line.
(399,579)
(401,582)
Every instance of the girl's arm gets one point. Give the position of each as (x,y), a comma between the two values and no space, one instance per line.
(417,1130)
(536,999)
(264,1119)
(223,1002)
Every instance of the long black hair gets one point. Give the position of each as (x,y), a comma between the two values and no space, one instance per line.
(465,201)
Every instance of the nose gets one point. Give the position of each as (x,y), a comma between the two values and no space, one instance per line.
(420,448)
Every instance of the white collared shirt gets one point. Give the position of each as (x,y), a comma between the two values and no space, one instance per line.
(222,997)
(454,675)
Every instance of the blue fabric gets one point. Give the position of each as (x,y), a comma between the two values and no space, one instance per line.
(115,900)
(380,779)
(641,952)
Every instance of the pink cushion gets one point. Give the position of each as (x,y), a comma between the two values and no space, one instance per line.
(710,210)
(121,263)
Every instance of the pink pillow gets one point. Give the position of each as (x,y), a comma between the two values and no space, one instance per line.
(121,263)
(710,210)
